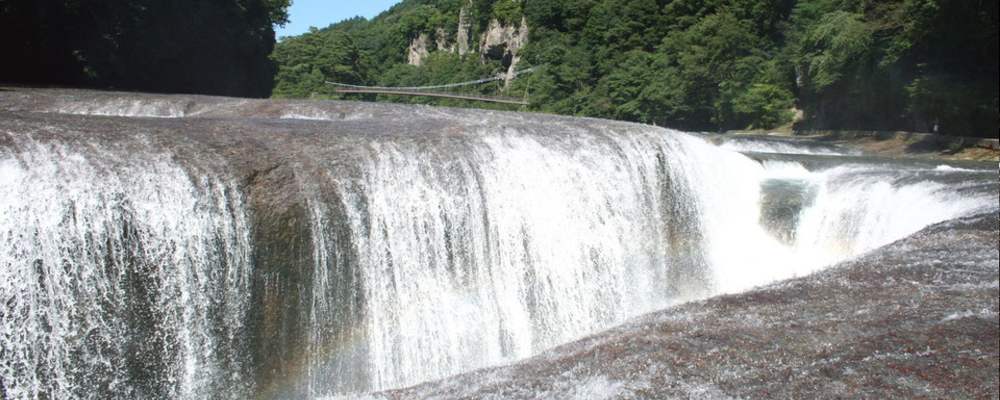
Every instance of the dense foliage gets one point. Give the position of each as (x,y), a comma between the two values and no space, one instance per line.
(359,51)
(698,65)
(193,46)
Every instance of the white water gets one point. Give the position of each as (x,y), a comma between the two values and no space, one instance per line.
(113,262)
(152,108)
(782,145)
(432,254)
(520,242)
(508,249)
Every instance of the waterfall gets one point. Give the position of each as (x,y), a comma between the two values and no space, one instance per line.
(509,246)
(121,275)
(491,245)
(309,249)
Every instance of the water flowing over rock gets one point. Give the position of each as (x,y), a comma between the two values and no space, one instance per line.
(188,247)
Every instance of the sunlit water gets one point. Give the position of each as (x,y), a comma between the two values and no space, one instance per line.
(125,270)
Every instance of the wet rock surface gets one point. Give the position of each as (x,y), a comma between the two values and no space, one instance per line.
(915,319)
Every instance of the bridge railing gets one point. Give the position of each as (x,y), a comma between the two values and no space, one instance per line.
(465,96)
(430,90)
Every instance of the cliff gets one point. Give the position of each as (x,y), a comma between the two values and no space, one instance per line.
(500,41)
(692,66)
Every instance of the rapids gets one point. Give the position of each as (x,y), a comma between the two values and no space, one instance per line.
(190,247)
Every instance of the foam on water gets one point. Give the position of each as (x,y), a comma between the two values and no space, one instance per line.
(479,239)
(120,275)
(486,247)
(126,108)
(497,252)
(781,145)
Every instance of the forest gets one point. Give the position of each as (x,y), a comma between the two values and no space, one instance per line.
(698,65)
(219,47)
(711,65)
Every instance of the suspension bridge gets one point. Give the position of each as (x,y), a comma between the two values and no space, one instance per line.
(435,90)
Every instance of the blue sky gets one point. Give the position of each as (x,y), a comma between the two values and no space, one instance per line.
(322,13)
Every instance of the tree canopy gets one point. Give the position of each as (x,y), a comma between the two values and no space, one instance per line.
(193,46)
(710,65)
(699,65)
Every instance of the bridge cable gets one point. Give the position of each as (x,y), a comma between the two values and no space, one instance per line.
(450,85)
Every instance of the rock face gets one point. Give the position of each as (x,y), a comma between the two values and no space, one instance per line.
(418,50)
(463,31)
(504,42)
(442,41)
(499,42)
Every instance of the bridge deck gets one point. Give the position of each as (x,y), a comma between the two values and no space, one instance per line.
(466,96)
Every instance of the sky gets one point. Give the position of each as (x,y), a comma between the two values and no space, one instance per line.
(322,13)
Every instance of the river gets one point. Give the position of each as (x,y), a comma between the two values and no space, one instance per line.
(186,247)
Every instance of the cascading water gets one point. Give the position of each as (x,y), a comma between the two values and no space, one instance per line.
(143,266)
(497,251)
(121,275)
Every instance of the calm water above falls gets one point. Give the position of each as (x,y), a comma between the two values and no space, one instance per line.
(287,249)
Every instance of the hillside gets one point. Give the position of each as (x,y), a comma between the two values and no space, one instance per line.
(705,66)
(218,47)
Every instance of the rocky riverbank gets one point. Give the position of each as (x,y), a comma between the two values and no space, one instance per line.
(901,144)
(894,147)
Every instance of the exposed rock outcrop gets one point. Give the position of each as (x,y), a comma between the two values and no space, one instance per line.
(462,37)
(442,41)
(499,42)
(418,50)
(504,42)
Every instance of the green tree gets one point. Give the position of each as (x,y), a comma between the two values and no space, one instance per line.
(710,65)
(216,47)
(951,49)
(307,62)
(763,106)
(718,58)
(836,47)
(507,12)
